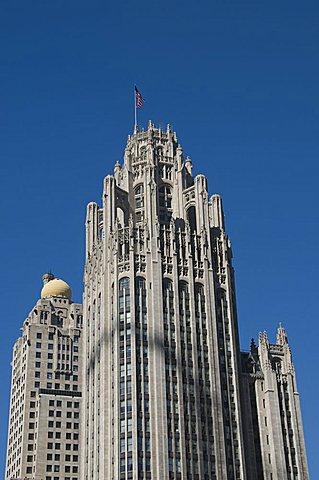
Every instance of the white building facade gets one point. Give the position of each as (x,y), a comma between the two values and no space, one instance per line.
(161,396)
(44,421)
(152,384)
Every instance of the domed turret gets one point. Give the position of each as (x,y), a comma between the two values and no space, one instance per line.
(55,287)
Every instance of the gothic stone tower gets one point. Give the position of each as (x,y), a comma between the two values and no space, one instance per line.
(274,441)
(161,397)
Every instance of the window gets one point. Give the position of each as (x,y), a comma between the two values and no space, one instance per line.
(38,345)
(50,346)
(139,197)
(39,335)
(51,403)
(37,374)
(37,354)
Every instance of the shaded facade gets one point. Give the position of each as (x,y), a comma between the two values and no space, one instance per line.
(274,440)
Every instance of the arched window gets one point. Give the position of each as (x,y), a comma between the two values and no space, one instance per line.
(191,217)
(124,294)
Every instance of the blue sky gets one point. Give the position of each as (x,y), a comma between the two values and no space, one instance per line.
(239,83)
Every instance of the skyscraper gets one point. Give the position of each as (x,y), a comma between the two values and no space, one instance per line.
(167,393)
(152,384)
(43,437)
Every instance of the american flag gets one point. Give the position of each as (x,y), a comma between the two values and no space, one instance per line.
(139,98)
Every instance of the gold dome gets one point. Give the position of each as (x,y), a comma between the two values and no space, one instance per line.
(56,288)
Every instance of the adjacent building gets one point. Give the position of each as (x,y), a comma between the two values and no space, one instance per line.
(274,440)
(44,422)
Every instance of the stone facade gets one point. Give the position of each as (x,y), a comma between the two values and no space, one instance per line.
(44,423)
(274,441)
(166,393)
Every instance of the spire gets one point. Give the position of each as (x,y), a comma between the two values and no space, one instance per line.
(263,339)
(117,166)
(281,335)
(189,165)
(252,345)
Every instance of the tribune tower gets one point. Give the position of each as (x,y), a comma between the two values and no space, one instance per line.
(167,392)
(153,386)
(161,340)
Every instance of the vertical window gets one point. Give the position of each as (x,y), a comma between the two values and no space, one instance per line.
(165,203)
(139,202)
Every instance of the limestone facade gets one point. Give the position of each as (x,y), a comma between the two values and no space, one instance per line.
(152,384)
(161,389)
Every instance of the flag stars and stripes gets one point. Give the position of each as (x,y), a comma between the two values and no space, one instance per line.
(139,98)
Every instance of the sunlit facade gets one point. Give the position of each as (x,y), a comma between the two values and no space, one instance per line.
(164,380)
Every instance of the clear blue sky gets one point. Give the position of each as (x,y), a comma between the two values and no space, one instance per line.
(238,80)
